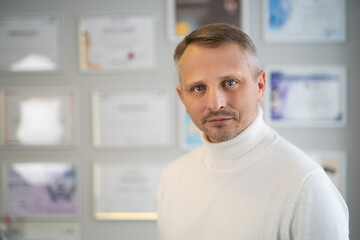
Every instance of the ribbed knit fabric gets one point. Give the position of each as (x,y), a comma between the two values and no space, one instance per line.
(254,186)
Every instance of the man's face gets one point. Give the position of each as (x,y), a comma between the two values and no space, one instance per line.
(218,90)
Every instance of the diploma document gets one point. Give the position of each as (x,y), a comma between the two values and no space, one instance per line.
(131,117)
(39,117)
(307,96)
(117,42)
(30,43)
(41,188)
(125,192)
(45,231)
(305,21)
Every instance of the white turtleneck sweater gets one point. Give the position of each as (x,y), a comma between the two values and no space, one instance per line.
(254,186)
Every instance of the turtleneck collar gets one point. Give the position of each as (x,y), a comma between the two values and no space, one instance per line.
(227,156)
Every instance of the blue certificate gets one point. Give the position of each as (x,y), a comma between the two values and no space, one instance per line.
(306,97)
(305,21)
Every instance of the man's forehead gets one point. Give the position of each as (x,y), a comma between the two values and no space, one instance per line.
(195,50)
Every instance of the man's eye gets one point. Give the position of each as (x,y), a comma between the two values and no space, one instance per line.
(199,88)
(230,82)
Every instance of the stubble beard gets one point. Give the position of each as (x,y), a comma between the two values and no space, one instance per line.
(221,136)
(221,133)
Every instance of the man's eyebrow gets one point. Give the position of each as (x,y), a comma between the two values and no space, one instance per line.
(232,76)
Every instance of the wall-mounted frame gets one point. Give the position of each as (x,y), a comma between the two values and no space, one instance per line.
(304,21)
(190,135)
(39,117)
(31,43)
(131,117)
(186,16)
(41,189)
(306,96)
(116,42)
(335,165)
(123,192)
(45,231)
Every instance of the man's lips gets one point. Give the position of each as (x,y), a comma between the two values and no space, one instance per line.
(218,119)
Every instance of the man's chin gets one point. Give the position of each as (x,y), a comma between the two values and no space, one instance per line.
(217,138)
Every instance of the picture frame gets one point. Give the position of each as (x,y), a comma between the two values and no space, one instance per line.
(39,117)
(124,191)
(45,231)
(306,96)
(139,118)
(113,42)
(39,189)
(304,21)
(185,16)
(31,43)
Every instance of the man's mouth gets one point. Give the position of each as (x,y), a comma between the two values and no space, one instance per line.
(219,120)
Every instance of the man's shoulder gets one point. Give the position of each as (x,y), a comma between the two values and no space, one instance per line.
(291,156)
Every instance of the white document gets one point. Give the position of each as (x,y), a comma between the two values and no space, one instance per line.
(132,117)
(113,42)
(307,96)
(30,43)
(45,231)
(125,189)
(305,21)
(39,117)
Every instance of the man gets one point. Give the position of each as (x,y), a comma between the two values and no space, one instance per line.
(246,182)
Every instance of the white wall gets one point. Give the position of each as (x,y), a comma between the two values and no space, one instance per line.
(345,139)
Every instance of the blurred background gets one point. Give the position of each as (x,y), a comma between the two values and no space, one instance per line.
(61,75)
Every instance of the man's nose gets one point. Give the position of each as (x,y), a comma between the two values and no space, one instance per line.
(216,99)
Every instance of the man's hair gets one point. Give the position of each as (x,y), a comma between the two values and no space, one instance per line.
(214,35)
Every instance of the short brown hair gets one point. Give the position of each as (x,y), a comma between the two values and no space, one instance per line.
(213,35)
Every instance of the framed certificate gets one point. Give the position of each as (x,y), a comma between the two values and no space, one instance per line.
(184,16)
(335,165)
(31,43)
(117,42)
(45,231)
(39,117)
(41,189)
(300,96)
(190,135)
(305,21)
(131,117)
(125,192)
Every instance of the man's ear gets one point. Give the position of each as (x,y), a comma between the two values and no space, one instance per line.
(179,92)
(261,85)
